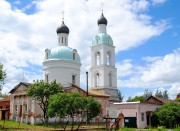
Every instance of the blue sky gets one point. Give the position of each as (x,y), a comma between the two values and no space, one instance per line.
(145,33)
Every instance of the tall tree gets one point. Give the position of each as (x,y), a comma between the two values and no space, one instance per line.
(120,96)
(74,107)
(147,94)
(42,91)
(158,94)
(129,99)
(163,94)
(136,98)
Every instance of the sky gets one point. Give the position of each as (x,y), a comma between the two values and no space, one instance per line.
(145,34)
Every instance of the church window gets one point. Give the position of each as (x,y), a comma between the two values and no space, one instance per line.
(73,79)
(16,109)
(108,59)
(97,79)
(142,116)
(98,60)
(65,41)
(108,41)
(62,39)
(46,54)
(96,40)
(25,106)
(74,56)
(110,79)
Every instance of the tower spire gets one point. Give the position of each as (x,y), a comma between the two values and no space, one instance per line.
(62,15)
(102,4)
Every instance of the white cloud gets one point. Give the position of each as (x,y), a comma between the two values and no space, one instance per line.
(23,37)
(165,70)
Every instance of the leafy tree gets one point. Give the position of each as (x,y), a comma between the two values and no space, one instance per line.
(168,115)
(136,98)
(67,106)
(2,75)
(120,96)
(142,98)
(42,91)
(147,94)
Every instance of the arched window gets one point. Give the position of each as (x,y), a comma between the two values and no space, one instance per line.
(97,79)
(62,39)
(73,79)
(98,59)
(96,40)
(46,54)
(74,56)
(65,41)
(108,59)
(110,79)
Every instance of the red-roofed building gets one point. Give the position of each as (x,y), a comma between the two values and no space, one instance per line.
(4,108)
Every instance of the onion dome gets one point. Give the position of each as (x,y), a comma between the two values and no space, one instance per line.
(62,29)
(102,20)
(102,38)
(64,53)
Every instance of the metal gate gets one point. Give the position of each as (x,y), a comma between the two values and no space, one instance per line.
(130,122)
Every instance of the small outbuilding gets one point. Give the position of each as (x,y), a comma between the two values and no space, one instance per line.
(5,108)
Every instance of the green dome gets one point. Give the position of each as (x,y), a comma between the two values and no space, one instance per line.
(102,38)
(63,53)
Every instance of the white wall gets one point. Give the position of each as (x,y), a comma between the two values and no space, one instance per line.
(62,71)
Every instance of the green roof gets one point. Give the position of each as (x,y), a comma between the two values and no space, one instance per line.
(102,38)
(63,53)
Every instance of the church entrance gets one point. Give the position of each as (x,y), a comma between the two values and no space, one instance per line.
(148,118)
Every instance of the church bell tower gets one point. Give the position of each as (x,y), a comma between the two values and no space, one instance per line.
(103,73)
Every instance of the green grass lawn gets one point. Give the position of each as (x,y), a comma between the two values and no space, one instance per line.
(16,125)
(11,126)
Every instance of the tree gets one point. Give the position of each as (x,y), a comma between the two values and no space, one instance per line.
(147,94)
(129,99)
(168,115)
(42,91)
(74,107)
(136,98)
(163,94)
(2,75)
(142,98)
(120,96)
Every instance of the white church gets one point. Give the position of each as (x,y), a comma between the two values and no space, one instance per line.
(62,63)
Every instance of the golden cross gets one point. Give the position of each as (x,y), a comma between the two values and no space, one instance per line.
(102,4)
(62,15)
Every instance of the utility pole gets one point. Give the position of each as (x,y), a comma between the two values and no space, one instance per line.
(87,96)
